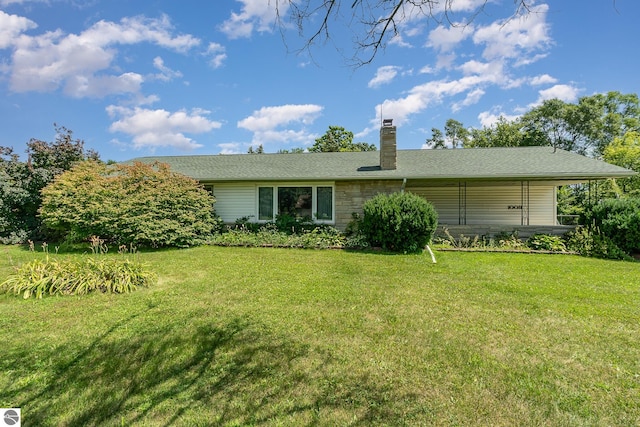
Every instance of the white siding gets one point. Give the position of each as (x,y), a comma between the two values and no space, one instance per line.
(235,200)
(444,199)
(490,204)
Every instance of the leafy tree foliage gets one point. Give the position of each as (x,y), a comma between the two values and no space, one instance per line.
(400,222)
(140,204)
(296,150)
(259,150)
(437,139)
(625,152)
(503,133)
(455,134)
(618,220)
(338,138)
(586,127)
(21,182)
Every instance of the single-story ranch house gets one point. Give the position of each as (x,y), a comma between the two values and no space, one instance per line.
(475,191)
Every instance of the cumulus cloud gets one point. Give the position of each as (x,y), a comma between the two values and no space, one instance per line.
(166,74)
(473,97)
(566,93)
(256,15)
(445,39)
(11,26)
(231,148)
(515,37)
(266,123)
(160,128)
(218,55)
(505,44)
(81,63)
(542,79)
(268,118)
(489,118)
(384,75)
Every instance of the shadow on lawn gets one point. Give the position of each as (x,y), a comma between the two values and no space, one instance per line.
(212,374)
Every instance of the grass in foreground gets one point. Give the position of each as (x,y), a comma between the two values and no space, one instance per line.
(244,336)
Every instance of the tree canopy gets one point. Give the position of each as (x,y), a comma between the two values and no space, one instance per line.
(338,138)
(21,181)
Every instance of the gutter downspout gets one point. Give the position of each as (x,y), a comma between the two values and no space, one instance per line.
(404,184)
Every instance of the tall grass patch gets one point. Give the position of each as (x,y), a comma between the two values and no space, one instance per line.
(77,276)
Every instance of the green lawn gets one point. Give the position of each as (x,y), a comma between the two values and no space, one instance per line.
(247,336)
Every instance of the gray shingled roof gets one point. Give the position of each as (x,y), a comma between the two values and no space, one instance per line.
(531,163)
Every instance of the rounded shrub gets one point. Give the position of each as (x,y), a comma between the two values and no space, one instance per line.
(619,220)
(140,204)
(399,222)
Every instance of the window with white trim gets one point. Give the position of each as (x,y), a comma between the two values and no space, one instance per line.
(301,201)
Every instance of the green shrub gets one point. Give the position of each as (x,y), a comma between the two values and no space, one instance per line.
(589,241)
(269,235)
(619,220)
(140,204)
(69,277)
(399,222)
(546,242)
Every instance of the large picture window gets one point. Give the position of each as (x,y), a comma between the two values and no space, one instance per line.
(305,201)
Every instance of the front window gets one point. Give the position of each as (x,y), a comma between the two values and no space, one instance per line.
(295,201)
(265,203)
(325,203)
(315,202)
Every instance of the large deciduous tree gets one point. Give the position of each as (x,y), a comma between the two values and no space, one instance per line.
(21,181)
(625,152)
(586,127)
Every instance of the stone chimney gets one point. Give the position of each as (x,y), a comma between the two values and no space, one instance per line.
(388,145)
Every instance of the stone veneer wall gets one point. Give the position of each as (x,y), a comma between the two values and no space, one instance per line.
(351,195)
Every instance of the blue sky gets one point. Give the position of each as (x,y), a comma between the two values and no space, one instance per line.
(138,78)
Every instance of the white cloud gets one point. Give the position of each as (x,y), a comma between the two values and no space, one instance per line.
(515,37)
(160,128)
(99,86)
(489,118)
(231,148)
(484,68)
(543,79)
(217,53)
(427,69)
(268,118)
(256,15)
(445,61)
(81,63)
(384,75)
(566,93)
(11,26)
(166,73)
(265,122)
(445,39)
(473,97)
